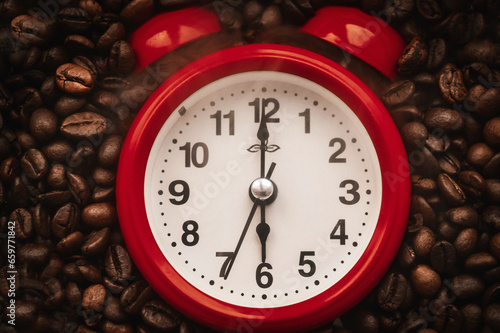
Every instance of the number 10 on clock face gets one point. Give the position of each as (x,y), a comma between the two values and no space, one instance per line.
(262,189)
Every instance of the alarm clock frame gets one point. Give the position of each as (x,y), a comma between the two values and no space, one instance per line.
(352,287)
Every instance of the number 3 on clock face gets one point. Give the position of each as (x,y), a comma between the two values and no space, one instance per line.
(266,191)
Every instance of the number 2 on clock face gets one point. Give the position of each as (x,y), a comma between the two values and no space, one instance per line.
(325,178)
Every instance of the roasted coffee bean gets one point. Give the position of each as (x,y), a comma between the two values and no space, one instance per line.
(92,7)
(479,262)
(69,104)
(414,135)
(420,206)
(448,319)
(481,50)
(109,151)
(88,271)
(58,150)
(443,256)
(74,79)
(449,163)
(391,292)
(55,57)
(35,164)
(450,190)
(93,300)
(425,280)
(73,294)
(492,168)
(466,286)
(491,216)
(70,244)
(406,113)
(413,57)
(466,242)
(452,85)
(74,20)
(492,190)
(137,11)
(438,144)
(79,43)
(26,313)
(422,186)
(491,315)
(96,242)
(464,216)
(160,316)
(34,254)
(471,318)
(65,220)
(444,119)
(41,222)
(103,194)
(118,264)
(494,245)
(122,58)
(99,215)
(56,179)
(55,293)
(30,30)
(104,177)
(82,160)
(109,326)
(9,169)
(11,9)
(79,188)
(423,241)
(399,92)
(43,124)
(114,33)
(55,198)
(18,193)
(135,296)
(399,10)
(431,10)
(487,103)
(474,73)
(491,132)
(23,223)
(472,183)
(83,125)
(479,154)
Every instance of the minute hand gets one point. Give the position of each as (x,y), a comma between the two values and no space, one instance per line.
(247,224)
(263,136)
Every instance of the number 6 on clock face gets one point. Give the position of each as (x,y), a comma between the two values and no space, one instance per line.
(265,191)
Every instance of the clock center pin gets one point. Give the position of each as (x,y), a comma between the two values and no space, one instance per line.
(264,190)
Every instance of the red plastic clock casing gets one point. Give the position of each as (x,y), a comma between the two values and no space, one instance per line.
(353,286)
(167,31)
(367,37)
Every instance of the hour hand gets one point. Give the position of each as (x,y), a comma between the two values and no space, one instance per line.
(231,256)
(263,230)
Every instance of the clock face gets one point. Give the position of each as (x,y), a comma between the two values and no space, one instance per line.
(263,188)
(326,191)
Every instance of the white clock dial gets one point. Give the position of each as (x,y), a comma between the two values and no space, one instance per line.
(326,195)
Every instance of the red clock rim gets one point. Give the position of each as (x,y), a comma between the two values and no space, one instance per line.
(296,317)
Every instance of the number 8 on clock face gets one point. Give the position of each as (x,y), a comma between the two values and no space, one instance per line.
(267,189)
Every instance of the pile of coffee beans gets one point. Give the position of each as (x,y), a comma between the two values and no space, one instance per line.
(68,97)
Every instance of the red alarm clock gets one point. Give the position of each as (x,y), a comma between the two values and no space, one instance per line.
(263,187)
